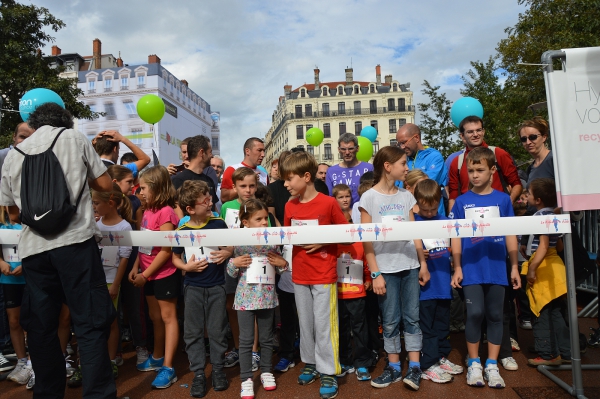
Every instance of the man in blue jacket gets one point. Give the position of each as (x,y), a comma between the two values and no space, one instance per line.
(429,160)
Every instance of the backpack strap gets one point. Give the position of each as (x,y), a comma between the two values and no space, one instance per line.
(461,159)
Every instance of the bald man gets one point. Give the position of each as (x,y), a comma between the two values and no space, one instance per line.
(22,132)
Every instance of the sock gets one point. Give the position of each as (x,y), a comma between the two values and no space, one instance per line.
(490,361)
(22,360)
(412,364)
(474,360)
(395,366)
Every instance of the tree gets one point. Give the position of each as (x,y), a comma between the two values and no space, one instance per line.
(23,67)
(437,129)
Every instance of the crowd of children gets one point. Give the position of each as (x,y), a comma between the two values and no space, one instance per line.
(330,295)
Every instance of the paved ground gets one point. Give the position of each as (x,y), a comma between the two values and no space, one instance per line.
(525,383)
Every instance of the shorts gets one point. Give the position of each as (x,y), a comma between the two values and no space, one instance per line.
(116,300)
(13,295)
(164,288)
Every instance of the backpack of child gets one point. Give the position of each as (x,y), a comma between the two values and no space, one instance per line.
(45,201)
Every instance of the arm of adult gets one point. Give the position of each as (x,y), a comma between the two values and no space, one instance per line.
(436,169)
(510,173)
(227,191)
(143,158)
(102,183)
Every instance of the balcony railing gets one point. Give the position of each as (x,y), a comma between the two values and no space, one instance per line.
(350,112)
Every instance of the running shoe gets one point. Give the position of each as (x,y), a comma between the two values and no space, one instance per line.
(31,382)
(255,361)
(346,370)
(413,377)
(232,358)
(151,364)
(492,376)
(268,381)
(165,378)
(329,386)
(436,374)
(284,365)
(21,373)
(141,354)
(362,374)
(247,389)
(509,363)
(389,376)
(475,375)
(450,368)
(6,364)
(308,376)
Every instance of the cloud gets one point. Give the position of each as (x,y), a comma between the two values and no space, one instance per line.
(238,54)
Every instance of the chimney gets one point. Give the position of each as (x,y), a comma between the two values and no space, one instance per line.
(378,74)
(287,90)
(153,59)
(349,78)
(56,50)
(120,62)
(317,86)
(388,79)
(185,82)
(97,54)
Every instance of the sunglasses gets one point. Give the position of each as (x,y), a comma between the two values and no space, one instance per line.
(531,137)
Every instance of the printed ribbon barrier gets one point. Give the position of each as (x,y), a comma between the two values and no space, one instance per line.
(395,231)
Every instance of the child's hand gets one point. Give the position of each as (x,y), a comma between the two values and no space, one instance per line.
(522,250)
(530,276)
(424,276)
(379,285)
(139,280)
(220,256)
(194,265)
(457,278)
(242,261)
(515,278)
(368,285)
(310,248)
(276,260)
(132,275)
(113,291)
(4,268)
(17,271)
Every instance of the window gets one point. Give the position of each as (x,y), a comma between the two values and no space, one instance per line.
(130,108)
(303,93)
(394,87)
(357,127)
(393,142)
(342,108)
(215,143)
(328,155)
(393,129)
(375,147)
(374,124)
(92,107)
(373,106)
(326,131)
(310,149)
(308,110)
(401,104)
(299,132)
(108,84)
(340,90)
(372,88)
(391,104)
(308,127)
(356,90)
(298,111)
(135,132)
(402,122)
(342,128)
(324,91)
(92,86)
(357,107)
(141,81)
(109,108)
(325,109)
(124,82)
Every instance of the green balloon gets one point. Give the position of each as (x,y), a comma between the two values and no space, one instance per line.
(314,136)
(365,149)
(151,108)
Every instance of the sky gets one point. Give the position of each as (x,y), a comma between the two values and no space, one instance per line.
(238,54)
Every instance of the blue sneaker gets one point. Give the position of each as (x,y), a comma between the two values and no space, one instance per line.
(309,375)
(166,376)
(345,370)
(329,386)
(390,375)
(413,377)
(284,365)
(151,364)
(362,374)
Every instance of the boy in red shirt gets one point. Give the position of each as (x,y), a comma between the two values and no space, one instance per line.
(314,274)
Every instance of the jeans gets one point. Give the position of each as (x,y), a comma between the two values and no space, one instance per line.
(401,302)
(551,333)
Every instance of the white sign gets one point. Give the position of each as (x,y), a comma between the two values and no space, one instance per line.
(350,271)
(232,218)
(10,253)
(287,255)
(485,212)
(145,249)
(390,219)
(433,243)
(110,256)
(308,222)
(260,271)
(201,253)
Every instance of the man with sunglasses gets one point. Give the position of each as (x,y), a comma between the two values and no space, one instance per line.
(428,159)
(505,178)
(350,169)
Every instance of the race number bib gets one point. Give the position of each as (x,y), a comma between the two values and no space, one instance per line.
(199,252)
(260,271)
(287,255)
(391,219)
(145,250)
(350,271)
(10,253)
(307,222)
(486,212)
(232,218)
(110,256)
(433,243)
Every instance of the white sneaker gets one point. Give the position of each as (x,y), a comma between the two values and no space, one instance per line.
(31,381)
(492,376)
(474,375)
(118,359)
(6,364)
(69,367)
(449,367)
(268,381)
(436,374)
(21,373)
(509,363)
(142,354)
(247,389)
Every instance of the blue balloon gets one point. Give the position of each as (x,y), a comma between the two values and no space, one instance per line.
(214,117)
(466,106)
(370,133)
(36,97)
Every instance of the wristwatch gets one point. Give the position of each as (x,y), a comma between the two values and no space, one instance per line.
(374,275)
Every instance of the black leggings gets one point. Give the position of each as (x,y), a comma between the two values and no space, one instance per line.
(484,300)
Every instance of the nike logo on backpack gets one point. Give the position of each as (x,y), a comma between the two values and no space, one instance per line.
(36,217)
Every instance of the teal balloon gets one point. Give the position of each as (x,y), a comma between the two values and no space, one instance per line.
(466,106)
(365,149)
(370,133)
(36,97)
(151,108)
(314,136)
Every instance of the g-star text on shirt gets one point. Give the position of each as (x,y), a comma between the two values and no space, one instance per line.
(348,175)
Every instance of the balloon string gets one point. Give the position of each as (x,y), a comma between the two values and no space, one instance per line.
(9,110)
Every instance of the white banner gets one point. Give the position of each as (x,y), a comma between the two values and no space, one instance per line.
(299,235)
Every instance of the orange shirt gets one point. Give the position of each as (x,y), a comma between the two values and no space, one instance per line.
(348,290)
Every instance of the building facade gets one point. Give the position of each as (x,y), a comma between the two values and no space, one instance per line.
(114,88)
(337,108)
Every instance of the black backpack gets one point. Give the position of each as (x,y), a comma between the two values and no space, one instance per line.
(45,201)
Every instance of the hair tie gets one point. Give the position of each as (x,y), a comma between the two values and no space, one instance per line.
(245,211)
